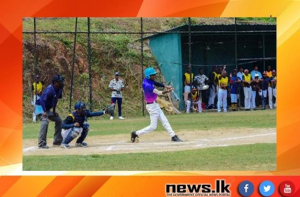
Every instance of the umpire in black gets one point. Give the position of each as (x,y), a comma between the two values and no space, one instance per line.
(48,101)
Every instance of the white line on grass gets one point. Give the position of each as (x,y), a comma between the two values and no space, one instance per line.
(249,136)
(110,148)
(28,149)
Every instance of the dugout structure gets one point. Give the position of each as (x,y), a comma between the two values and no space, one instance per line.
(203,46)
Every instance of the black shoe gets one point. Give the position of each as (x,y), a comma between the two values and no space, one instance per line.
(56,144)
(44,147)
(175,138)
(133,136)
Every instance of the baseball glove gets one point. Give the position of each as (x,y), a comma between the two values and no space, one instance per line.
(110,109)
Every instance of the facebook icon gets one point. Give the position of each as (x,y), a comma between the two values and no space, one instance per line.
(246,188)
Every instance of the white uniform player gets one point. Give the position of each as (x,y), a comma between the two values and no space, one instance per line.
(153,108)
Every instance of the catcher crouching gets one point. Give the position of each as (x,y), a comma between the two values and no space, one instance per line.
(76,124)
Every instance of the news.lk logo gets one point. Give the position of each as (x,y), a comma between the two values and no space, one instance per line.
(221,188)
(287,188)
(246,188)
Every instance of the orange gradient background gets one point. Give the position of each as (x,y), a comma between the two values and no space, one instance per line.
(29,184)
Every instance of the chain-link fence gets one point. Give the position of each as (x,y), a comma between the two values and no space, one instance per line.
(89,50)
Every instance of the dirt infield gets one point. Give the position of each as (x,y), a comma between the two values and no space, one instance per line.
(158,141)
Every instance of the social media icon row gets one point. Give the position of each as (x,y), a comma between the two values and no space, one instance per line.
(266,188)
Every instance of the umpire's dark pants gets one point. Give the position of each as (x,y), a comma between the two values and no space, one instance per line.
(42,140)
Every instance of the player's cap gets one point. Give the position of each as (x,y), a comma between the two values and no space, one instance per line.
(264,73)
(246,70)
(37,76)
(274,71)
(256,75)
(117,73)
(234,70)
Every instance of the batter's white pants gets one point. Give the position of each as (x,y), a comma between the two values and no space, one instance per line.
(253,104)
(222,100)
(247,93)
(156,113)
(188,106)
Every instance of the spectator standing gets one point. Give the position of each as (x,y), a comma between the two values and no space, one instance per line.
(201,80)
(234,85)
(254,72)
(247,89)
(116,85)
(213,87)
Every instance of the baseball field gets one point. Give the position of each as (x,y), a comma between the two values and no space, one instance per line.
(211,142)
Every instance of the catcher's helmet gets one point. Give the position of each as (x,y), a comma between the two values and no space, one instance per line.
(149,71)
(79,105)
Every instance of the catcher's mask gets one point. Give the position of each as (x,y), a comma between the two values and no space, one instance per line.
(80,107)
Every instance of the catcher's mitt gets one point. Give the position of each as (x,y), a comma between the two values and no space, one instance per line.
(110,109)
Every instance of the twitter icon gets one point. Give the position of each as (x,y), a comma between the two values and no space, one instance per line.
(266,188)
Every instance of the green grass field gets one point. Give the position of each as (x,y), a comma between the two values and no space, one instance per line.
(254,157)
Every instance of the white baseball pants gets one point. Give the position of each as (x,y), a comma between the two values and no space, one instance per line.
(271,93)
(212,95)
(222,99)
(247,93)
(253,97)
(156,113)
(188,106)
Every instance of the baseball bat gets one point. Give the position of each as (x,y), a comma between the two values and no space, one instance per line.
(175,96)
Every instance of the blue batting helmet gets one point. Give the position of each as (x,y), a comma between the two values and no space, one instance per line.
(79,105)
(149,71)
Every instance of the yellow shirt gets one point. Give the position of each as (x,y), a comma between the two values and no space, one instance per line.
(37,87)
(194,96)
(269,73)
(187,78)
(247,78)
(224,81)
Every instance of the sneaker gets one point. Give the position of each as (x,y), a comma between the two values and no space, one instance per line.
(111,118)
(133,136)
(65,146)
(82,144)
(175,138)
(44,147)
(121,118)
